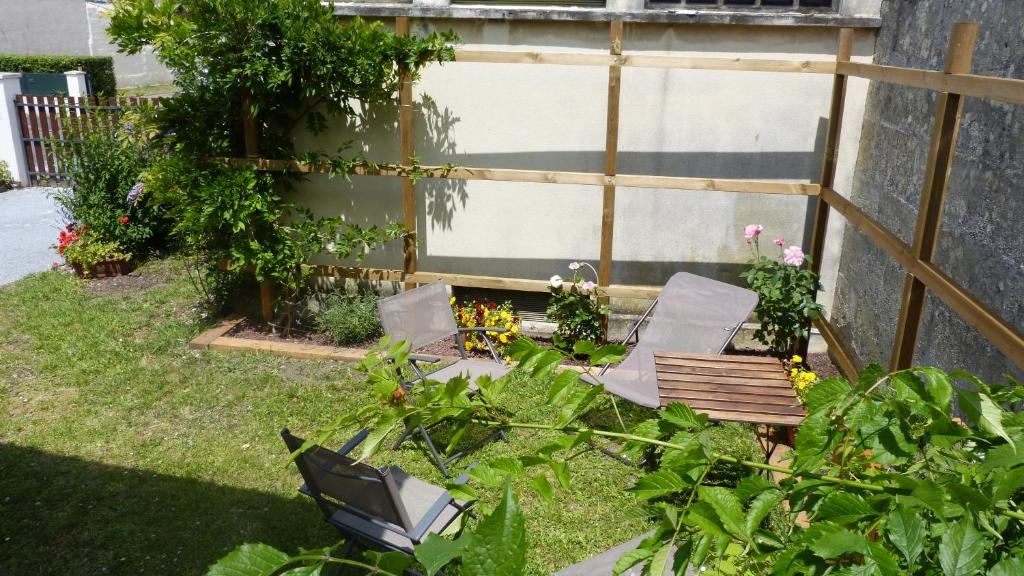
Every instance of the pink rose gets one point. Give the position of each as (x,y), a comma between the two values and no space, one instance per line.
(752,231)
(793,256)
(780,241)
(588,286)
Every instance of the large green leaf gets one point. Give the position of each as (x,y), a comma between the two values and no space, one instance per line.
(826,393)
(961,550)
(498,545)
(906,532)
(250,560)
(843,508)
(561,386)
(1008,567)
(835,543)
(983,413)
(762,505)
(631,558)
(683,416)
(752,486)
(660,559)
(728,508)
(576,403)
(388,562)
(436,552)
(939,387)
(658,484)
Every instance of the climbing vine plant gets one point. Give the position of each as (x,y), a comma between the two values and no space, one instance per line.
(291,65)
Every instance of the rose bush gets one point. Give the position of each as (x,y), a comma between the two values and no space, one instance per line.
(786,293)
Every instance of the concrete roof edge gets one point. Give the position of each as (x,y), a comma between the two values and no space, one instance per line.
(588,14)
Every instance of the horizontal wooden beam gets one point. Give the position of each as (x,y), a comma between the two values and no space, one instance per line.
(645,61)
(1003,89)
(552,177)
(468,280)
(1003,336)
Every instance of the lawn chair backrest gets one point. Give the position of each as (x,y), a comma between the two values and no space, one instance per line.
(697,314)
(359,486)
(694,314)
(419,316)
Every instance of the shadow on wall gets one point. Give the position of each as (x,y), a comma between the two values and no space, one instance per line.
(623,271)
(374,200)
(71,516)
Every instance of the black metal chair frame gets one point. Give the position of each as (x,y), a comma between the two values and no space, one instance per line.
(330,504)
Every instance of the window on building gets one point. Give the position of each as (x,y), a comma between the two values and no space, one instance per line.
(765,4)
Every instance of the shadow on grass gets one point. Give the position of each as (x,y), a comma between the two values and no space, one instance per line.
(65,515)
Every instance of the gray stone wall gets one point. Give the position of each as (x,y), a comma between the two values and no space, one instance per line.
(980,245)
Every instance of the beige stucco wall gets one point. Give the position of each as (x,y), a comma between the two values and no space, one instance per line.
(673,122)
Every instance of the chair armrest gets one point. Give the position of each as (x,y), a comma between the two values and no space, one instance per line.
(355,441)
(424,358)
(485,329)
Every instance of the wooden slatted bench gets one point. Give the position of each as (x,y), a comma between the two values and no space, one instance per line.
(750,389)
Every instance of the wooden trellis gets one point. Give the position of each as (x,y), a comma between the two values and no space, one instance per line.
(954,83)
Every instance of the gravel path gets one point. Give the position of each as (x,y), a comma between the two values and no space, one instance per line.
(29,222)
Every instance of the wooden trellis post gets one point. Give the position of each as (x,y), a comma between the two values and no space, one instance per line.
(830,161)
(252,150)
(948,109)
(405,136)
(611,149)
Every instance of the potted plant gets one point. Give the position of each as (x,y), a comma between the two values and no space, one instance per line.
(91,257)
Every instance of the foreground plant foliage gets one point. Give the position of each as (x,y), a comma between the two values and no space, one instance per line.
(882,480)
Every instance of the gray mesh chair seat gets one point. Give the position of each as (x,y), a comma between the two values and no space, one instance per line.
(384,507)
(470,369)
(423,316)
(603,563)
(696,315)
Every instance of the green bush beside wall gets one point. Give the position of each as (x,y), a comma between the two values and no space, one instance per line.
(99,68)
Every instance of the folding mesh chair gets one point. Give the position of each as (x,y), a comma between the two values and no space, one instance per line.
(695,314)
(422,316)
(384,507)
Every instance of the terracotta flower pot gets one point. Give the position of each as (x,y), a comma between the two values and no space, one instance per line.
(105,269)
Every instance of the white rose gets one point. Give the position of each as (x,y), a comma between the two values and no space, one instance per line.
(556,281)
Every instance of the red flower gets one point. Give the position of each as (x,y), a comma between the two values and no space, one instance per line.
(492,305)
(123,220)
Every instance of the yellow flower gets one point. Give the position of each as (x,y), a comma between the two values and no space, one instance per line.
(514,329)
(505,315)
(811,376)
(452,301)
(797,359)
(503,338)
(469,345)
(792,372)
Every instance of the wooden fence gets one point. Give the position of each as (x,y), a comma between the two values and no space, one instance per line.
(48,122)
(954,83)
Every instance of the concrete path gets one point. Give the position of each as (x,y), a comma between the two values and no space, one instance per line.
(29,223)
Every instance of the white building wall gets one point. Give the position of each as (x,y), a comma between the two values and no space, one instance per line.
(720,124)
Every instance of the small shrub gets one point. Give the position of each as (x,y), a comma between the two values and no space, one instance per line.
(472,314)
(786,291)
(105,193)
(6,180)
(348,319)
(573,305)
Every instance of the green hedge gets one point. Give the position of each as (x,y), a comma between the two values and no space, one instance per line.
(99,68)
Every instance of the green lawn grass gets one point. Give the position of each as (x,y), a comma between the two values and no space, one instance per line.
(124,452)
